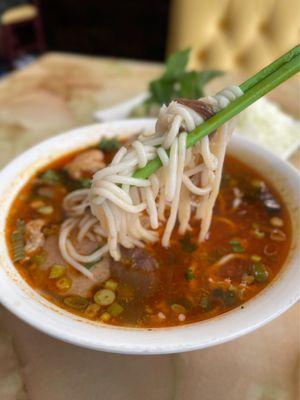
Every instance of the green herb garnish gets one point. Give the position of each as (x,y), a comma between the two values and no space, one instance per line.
(228,297)
(189,274)
(187,245)
(109,144)
(84,183)
(176,82)
(40,258)
(260,272)
(205,303)
(236,246)
(50,177)
(90,265)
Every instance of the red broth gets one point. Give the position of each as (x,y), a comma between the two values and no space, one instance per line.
(248,243)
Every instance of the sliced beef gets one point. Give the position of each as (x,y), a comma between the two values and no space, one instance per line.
(139,269)
(201,108)
(34,235)
(81,285)
(88,162)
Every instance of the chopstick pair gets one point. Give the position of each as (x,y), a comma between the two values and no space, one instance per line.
(254,88)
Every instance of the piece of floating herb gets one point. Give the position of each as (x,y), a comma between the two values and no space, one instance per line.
(236,246)
(85,183)
(228,297)
(109,144)
(50,177)
(40,258)
(205,303)
(17,240)
(260,272)
(189,274)
(104,297)
(57,271)
(76,302)
(115,309)
(187,245)
(90,265)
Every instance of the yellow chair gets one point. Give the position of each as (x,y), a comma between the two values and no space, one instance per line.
(234,34)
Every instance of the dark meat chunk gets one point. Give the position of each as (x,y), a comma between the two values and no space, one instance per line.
(201,108)
(138,269)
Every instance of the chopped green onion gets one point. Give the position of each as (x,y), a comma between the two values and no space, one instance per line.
(189,274)
(92,310)
(39,258)
(17,240)
(104,297)
(236,246)
(205,303)
(109,144)
(64,283)
(47,210)
(51,176)
(105,317)
(260,272)
(187,245)
(111,284)
(259,234)
(57,271)
(115,309)
(76,302)
(255,258)
(178,308)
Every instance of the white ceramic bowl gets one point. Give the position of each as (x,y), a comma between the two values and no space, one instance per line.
(23,301)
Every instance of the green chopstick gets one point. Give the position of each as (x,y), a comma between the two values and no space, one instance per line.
(269,69)
(254,88)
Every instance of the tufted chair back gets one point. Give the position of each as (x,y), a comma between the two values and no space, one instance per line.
(234,34)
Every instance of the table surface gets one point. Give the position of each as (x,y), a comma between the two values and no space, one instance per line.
(57,93)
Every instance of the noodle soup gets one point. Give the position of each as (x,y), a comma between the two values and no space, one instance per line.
(153,286)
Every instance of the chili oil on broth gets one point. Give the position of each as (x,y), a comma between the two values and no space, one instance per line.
(248,243)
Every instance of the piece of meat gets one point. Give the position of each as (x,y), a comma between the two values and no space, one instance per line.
(34,235)
(201,108)
(89,161)
(81,285)
(139,269)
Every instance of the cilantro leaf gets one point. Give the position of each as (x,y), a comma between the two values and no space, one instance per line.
(236,246)
(189,274)
(109,144)
(176,64)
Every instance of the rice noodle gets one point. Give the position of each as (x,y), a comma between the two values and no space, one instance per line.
(119,210)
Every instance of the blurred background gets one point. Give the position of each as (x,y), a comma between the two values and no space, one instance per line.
(227,34)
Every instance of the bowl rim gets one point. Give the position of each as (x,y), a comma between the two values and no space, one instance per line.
(18,297)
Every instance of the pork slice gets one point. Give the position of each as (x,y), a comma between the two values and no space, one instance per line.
(82,286)
(89,161)
(34,235)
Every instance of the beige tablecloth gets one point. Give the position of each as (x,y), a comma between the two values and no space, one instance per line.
(55,94)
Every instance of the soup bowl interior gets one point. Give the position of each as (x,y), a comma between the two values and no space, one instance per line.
(23,301)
